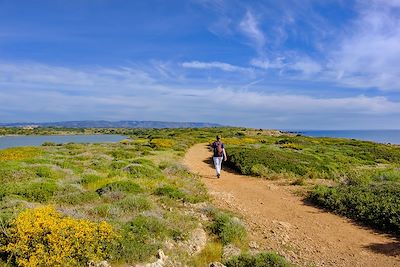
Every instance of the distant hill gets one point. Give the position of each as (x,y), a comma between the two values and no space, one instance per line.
(112,124)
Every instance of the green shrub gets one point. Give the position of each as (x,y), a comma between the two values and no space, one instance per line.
(125,186)
(77,198)
(260,170)
(141,238)
(211,253)
(171,192)
(229,229)
(137,170)
(47,172)
(374,204)
(14,172)
(33,191)
(49,144)
(277,161)
(387,175)
(269,259)
(90,178)
(330,158)
(134,204)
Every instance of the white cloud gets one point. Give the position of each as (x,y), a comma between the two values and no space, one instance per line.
(264,63)
(368,56)
(127,93)
(250,27)
(214,65)
(306,66)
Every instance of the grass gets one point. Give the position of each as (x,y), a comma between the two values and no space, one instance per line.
(228,229)
(269,259)
(211,253)
(138,186)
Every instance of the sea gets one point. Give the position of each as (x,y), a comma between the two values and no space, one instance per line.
(378,136)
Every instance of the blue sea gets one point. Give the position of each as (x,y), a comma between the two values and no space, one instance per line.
(379,136)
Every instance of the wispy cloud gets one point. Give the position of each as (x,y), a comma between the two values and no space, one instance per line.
(249,25)
(215,65)
(368,56)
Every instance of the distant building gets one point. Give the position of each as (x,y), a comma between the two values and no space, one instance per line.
(29,127)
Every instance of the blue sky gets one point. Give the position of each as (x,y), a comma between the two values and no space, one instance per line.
(264,64)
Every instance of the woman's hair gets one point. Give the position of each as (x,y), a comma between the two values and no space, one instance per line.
(218,137)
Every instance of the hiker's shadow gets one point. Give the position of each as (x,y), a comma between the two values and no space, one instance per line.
(389,249)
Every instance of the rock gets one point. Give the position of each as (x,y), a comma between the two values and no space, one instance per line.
(169,244)
(100,264)
(216,264)
(254,245)
(196,242)
(230,251)
(159,263)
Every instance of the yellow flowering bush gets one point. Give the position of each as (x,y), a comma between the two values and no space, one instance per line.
(43,237)
(238,141)
(18,153)
(163,143)
(292,146)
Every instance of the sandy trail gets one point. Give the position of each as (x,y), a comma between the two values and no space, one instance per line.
(279,220)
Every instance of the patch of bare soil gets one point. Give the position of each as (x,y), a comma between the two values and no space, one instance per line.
(279,220)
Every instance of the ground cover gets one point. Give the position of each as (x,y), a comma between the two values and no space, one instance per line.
(135,191)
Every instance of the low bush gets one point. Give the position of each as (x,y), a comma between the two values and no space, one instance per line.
(264,259)
(161,143)
(211,253)
(229,229)
(376,204)
(77,198)
(260,170)
(275,160)
(43,237)
(141,238)
(134,204)
(125,186)
(19,153)
(90,178)
(15,172)
(137,170)
(326,158)
(171,192)
(48,172)
(33,191)
(291,146)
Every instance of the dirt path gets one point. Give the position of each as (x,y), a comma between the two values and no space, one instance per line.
(279,220)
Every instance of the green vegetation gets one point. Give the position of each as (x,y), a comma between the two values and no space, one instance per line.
(140,189)
(136,187)
(229,229)
(376,204)
(367,175)
(326,158)
(270,259)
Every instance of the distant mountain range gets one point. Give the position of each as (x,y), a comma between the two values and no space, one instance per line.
(112,124)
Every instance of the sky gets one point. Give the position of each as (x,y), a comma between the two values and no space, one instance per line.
(310,64)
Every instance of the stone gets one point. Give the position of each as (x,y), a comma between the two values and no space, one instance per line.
(99,264)
(230,251)
(216,264)
(196,242)
(254,245)
(159,263)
